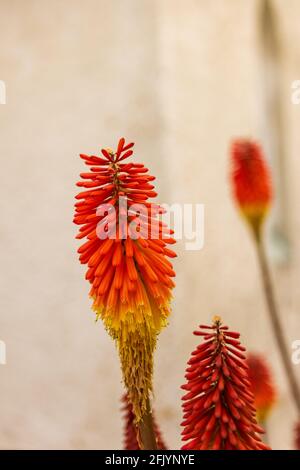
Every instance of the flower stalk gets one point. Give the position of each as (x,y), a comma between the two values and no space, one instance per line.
(274,316)
(253,193)
(146,435)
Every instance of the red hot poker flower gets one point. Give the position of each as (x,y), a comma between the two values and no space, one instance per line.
(126,254)
(130,429)
(251,181)
(262,385)
(219,408)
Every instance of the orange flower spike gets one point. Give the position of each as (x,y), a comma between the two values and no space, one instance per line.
(130,429)
(262,385)
(128,269)
(251,182)
(218,408)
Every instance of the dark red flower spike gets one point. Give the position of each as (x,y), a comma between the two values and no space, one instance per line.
(218,408)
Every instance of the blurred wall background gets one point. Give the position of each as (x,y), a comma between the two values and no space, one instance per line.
(180,78)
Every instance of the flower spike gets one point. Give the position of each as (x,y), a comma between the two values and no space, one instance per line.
(251,182)
(127,261)
(219,408)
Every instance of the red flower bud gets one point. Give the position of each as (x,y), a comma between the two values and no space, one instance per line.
(251,181)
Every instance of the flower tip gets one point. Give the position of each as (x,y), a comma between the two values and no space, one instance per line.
(107,153)
(120,145)
(217,320)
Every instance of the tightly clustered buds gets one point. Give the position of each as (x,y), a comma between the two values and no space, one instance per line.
(130,429)
(128,269)
(251,182)
(262,385)
(219,408)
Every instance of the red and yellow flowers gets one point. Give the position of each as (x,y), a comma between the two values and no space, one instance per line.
(251,181)
(219,408)
(126,253)
(262,385)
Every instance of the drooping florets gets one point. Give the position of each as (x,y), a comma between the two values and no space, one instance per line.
(127,257)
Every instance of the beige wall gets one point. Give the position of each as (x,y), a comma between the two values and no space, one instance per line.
(180,78)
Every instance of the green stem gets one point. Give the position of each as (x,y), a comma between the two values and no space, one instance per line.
(275,320)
